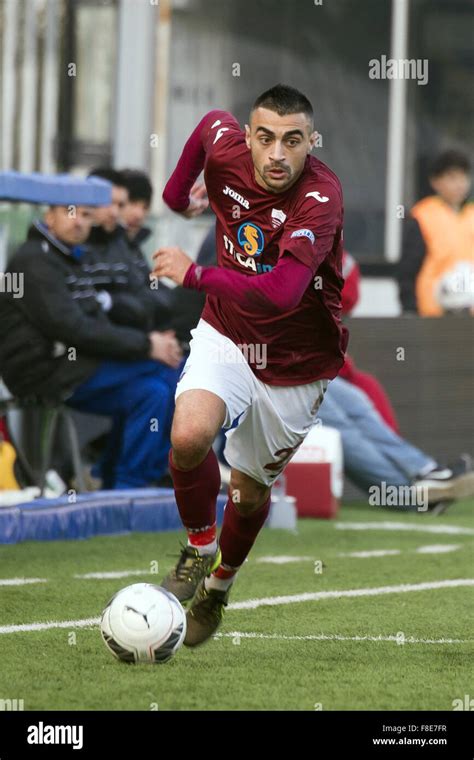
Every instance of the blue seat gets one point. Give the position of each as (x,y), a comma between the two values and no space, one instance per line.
(54,189)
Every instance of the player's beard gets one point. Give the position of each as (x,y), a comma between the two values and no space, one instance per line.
(274,184)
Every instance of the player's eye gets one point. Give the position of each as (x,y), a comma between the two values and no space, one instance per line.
(292,143)
(265,140)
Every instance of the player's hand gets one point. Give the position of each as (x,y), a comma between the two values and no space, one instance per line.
(165,348)
(171,261)
(198,201)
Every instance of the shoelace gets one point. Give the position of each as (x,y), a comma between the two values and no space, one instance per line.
(193,570)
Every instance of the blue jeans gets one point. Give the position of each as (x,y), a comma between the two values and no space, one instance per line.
(372,451)
(139,396)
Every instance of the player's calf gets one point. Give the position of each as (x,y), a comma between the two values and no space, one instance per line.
(247,494)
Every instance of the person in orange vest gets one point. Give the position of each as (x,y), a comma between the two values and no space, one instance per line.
(436,271)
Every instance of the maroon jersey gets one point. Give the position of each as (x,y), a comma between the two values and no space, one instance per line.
(254,228)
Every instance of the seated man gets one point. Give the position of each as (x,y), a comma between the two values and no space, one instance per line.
(58,342)
(116,237)
(374,453)
(120,270)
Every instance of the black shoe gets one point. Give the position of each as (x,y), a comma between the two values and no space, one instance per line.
(205,614)
(443,485)
(191,568)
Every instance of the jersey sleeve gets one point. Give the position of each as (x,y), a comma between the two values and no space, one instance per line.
(213,130)
(310,233)
(219,129)
(279,291)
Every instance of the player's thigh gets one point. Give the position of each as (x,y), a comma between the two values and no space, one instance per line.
(215,370)
(261,444)
(272,429)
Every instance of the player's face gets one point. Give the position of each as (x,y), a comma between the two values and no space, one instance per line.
(70,224)
(109,216)
(453,186)
(134,215)
(279,146)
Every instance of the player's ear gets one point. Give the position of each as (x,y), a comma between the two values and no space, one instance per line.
(247,135)
(312,140)
(48,216)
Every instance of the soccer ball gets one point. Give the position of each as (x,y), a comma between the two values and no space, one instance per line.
(143,623)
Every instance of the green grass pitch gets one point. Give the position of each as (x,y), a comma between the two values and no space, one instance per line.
(302,655)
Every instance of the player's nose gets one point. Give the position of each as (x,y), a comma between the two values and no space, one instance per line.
(277,152)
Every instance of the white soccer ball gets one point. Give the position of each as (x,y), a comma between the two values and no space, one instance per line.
(143,623)
(455,291)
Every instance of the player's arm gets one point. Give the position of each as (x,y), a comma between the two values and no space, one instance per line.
(280,290)
(308,238)
(181,192)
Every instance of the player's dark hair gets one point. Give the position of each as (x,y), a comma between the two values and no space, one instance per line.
(284,100)
(450,159)
(112,175)
(138,185)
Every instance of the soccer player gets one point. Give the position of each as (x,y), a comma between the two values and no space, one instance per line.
(270,337)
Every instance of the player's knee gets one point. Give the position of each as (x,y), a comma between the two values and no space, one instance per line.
(190,446)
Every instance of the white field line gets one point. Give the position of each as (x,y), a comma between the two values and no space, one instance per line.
(283,559)
(438,548)
(337,637)
(113,574)
(371,553)
(21,581)
(424,549)
(84,623)
(388,525)
(317,596)
(269,601)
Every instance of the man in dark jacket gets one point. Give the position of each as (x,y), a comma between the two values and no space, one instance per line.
(134,216)
(58,341)
(119,266)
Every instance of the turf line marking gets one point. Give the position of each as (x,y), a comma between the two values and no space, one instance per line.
(424,549)
(84,623)
(372,553)
(387,525)
(112,574)
(438,548)
(21,581)
(270,601)
(323,595)
(336,637)
(283,559)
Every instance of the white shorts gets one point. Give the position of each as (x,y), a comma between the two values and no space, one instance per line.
(272,420)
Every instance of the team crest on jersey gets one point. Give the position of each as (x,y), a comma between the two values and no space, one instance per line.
(278,217)
(251,239)
(247,262)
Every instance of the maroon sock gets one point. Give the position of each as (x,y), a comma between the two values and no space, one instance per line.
(196,494)
(239,532)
